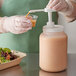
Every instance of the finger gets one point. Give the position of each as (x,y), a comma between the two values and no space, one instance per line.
(25,20)
(20,19)
(49,3)
(22,29)
(19,29)
(24,25)
(19,32)
(29,28)
(28,20)
(58,6)
(55,2)
(29,17)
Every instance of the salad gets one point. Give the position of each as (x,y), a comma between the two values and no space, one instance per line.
(6,55)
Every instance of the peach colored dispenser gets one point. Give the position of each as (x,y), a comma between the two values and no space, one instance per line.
(53,49)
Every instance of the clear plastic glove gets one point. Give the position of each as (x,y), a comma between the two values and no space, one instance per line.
(15,24)
(63,6)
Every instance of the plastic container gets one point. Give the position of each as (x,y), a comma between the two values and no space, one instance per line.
(53,49)
(33,19)
(13,62)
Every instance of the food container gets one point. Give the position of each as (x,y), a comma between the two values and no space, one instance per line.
(53,49)
(33,19)
(13,62)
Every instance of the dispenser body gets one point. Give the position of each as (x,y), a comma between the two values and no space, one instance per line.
(53,50)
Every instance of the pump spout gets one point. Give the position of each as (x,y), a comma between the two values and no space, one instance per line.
(38,10)
(49,17)
(42,10)
(50,22)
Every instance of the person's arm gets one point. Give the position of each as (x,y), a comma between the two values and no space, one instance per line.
(1,1)
(72,16)
(0,25)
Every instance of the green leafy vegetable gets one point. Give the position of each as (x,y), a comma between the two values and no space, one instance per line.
(6,50)
(6,55)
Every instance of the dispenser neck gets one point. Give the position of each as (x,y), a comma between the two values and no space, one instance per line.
(56,28)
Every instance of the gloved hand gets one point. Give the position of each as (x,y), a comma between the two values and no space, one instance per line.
(15,24)
(64,6)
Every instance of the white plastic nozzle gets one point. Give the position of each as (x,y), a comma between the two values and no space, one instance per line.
(50,22)
(49,17)
(38,10)
(42,10)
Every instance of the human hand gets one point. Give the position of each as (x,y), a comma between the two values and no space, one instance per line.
(63,6)
(16,24)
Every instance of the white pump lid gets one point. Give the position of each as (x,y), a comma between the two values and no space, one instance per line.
(50,24)
(49,10)
(56,28)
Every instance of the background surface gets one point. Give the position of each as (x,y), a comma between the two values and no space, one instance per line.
(70,29)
